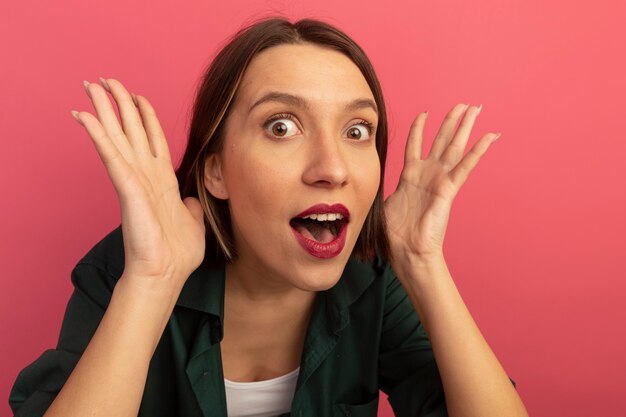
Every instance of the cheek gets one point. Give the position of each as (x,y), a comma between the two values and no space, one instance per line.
(371,183)
(376,177)
(369,178)
(257,186)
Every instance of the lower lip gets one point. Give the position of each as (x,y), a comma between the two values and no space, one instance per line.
(323,250)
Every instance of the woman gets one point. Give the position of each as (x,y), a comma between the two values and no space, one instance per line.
(295,308)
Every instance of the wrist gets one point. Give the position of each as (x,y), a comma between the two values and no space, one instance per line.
(144,309)
(428,284)
(417,266)
(148,290)
(421,275)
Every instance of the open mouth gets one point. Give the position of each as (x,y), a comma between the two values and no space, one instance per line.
(322,228)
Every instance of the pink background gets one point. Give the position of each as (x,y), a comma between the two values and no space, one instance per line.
(536,237)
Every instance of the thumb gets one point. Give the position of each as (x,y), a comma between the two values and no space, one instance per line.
(194,207)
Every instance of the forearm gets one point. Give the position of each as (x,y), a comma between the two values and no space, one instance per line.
(109,378)
(475,383)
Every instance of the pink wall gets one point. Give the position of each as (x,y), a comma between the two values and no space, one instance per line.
(535,241)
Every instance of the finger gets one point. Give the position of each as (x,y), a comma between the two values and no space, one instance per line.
(413,149)
(108,119)
(456,148)
(459,174)
(156,137)
(115,163)
(131,120)
(446,130)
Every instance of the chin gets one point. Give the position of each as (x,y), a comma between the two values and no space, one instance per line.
(320,276)
(317,286)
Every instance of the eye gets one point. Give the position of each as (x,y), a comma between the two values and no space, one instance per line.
(281,125)
(361,131)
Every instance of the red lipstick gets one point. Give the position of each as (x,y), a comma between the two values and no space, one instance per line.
(330,249)
(325,208)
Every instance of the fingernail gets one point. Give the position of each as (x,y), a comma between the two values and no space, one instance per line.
(134,99)
(426,113)
(497,136)
(75,115)
(105,84)
(86,84)
(479,109)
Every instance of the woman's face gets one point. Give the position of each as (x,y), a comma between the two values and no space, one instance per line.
(299,140)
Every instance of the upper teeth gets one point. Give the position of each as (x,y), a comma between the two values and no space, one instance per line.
(324,217)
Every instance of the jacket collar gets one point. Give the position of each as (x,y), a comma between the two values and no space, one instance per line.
(204,289)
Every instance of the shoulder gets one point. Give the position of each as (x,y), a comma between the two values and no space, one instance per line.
(97,272)
(374,273)
(364,280)
(107,255)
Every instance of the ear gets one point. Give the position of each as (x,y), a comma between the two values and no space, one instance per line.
(213,179)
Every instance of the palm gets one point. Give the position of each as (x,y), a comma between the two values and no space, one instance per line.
(163,236)
(417,212)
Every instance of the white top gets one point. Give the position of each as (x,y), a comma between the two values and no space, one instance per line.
(268,398)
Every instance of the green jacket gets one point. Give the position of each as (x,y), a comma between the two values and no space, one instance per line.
(364,335)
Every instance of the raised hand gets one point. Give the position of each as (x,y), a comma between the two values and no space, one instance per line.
(164,237)
(417,212)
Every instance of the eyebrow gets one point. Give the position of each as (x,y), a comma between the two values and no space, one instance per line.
(293,100)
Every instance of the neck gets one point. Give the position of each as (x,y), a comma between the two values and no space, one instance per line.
(251,287)
(265,323)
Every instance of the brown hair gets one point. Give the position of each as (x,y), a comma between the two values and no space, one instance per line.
(214,96)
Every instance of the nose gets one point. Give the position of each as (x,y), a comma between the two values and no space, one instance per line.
(326,163)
